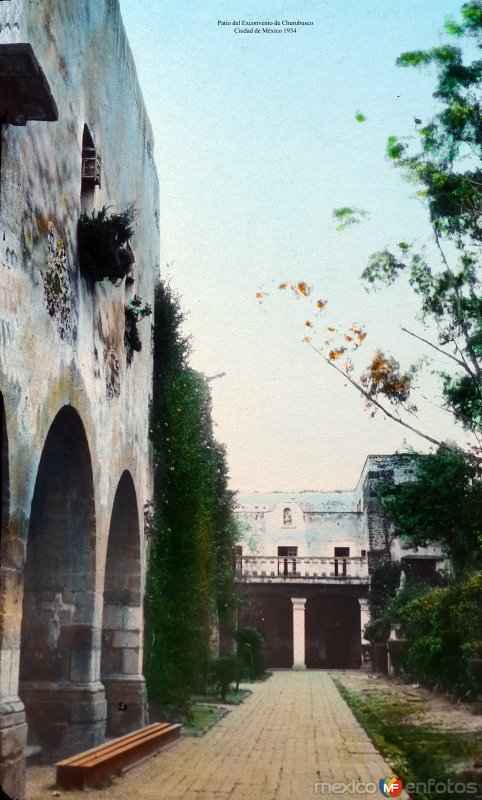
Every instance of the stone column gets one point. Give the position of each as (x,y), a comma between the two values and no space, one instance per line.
(121,672)
(13,725)
(364,617)
(13,739)
(299,632)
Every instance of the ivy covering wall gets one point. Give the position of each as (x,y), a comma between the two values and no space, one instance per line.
(190,570)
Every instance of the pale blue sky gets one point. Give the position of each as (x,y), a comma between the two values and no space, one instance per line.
(256,143)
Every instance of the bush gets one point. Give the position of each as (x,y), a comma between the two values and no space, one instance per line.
(444,628)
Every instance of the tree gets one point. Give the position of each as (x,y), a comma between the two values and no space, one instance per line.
(446,167)
(442,505)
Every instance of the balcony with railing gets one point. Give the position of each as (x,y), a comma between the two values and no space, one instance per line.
(24,90)
(309,569)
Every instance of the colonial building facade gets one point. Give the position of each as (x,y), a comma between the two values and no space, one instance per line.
(303,566)
(74,392)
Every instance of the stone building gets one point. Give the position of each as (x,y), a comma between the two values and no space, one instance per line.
(303,566)
(75,469)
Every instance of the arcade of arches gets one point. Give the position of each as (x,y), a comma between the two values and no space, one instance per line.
(79,653)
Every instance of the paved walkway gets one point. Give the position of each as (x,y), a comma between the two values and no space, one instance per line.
(292,732)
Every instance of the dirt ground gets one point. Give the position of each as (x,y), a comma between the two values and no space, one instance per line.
(434,709)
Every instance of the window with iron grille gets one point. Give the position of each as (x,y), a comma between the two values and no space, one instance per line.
(91,162)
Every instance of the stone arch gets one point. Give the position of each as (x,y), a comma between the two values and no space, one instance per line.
(60,641)
(121,659)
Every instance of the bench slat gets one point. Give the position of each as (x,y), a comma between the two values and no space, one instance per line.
(116,756)
(113,744)
(110,752)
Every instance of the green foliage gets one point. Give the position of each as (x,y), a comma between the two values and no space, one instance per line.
(360,117)
(442,623)
(190,571)
(443,504)
(224,671)
(446,166)
(347,216)
(134,312)
(251,651)
(383,267)
(395,149)
(444,629)
(103,244)
(384,582)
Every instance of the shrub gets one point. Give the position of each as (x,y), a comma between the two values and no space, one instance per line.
(224,671)
(444,628)
(251,651)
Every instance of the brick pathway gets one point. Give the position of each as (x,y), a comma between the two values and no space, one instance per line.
(293,731)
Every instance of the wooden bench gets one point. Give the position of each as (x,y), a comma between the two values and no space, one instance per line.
(115,756)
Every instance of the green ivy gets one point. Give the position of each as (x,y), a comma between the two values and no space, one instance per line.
(190,571)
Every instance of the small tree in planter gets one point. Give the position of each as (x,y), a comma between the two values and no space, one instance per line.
(103,244)
(223,672)
(251,651)
(134,311)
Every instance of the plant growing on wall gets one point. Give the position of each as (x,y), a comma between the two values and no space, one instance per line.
(134,311)
(56,284)
(191,555)
(104,244)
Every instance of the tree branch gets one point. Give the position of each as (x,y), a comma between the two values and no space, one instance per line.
(378,404)
(460,317)
(431,344)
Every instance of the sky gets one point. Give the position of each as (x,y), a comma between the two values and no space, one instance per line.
(256,142)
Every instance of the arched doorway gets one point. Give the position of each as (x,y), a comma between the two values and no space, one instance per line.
(60,642)
(121,661)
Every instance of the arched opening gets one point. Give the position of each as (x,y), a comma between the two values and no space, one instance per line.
(59,639)
(121,660)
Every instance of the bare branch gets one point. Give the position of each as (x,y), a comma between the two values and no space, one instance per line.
(435,347)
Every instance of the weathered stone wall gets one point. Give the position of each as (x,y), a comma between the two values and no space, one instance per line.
(62,351)
(376,529)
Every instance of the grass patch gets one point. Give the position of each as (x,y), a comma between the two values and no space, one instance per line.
(234,697)
(417,752)
(201,718)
